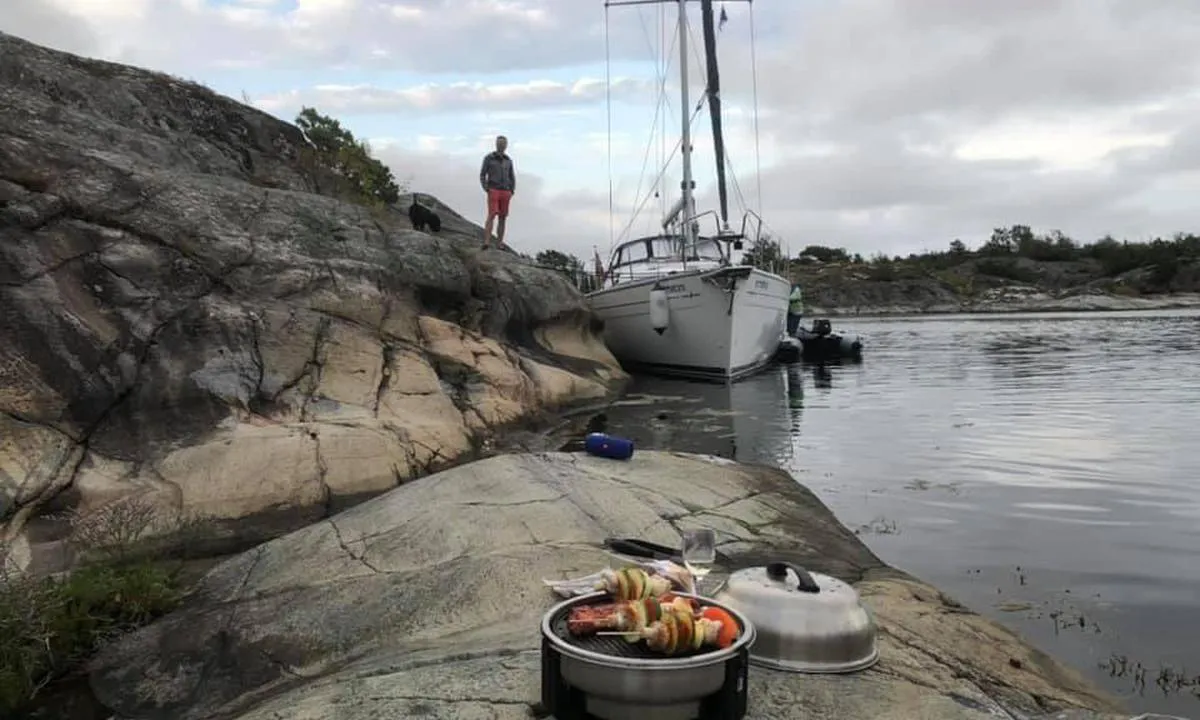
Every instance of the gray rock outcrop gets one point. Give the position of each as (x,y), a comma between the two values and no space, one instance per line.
(184,318)
(426,602)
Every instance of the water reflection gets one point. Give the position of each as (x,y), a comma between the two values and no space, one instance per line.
(1068,445)
(743,421)
(795,396)
(822,377)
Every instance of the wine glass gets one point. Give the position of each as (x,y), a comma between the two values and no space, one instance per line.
(699,552)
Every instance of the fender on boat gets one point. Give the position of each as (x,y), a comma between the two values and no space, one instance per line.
(660,311)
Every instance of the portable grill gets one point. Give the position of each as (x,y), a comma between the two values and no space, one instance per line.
(608,678)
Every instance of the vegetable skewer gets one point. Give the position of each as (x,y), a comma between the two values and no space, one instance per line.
(633,583)
(677,633)
(626,615)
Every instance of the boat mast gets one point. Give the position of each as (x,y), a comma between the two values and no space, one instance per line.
(688,185)
(713,94)
(684,209)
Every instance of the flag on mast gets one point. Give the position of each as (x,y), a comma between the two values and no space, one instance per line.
(724,19)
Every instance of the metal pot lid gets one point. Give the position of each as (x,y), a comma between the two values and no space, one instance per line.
(804,621)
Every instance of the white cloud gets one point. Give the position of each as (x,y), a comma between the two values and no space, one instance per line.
(884,124)
(406,12)
(39,22)
(1081,144)
(105,9)
(522,98)
(430,143)
(186,36)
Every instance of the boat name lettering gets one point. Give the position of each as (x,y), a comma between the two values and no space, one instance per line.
(675,288)
(760,284)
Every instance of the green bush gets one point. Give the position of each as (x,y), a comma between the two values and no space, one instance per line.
(50,625)
(1006,269)
(827,254)
(764,252)
(1164,257)
(336,151)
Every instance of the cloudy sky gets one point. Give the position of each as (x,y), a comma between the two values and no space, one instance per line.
(883,125)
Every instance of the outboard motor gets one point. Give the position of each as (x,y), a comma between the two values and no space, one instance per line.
(822,327)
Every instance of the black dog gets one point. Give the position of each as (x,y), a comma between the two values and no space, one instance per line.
(423,217)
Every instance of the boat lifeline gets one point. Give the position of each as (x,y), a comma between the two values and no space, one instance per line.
(674,303)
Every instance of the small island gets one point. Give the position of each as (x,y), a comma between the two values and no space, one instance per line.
(248,436)
(1016,270)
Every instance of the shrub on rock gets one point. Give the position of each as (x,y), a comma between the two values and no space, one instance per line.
(336,150)
(49,626)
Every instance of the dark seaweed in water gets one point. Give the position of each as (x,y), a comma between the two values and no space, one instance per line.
(597,423)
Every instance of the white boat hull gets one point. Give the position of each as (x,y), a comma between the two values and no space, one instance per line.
(711,333)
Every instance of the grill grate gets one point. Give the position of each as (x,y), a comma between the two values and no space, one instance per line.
(612,645)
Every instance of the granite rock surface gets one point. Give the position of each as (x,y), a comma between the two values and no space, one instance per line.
(189,317)
(426,602)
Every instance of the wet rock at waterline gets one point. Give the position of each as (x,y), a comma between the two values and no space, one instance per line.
(186,318)
(426,602)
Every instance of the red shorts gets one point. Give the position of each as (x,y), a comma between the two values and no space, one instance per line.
(498,202)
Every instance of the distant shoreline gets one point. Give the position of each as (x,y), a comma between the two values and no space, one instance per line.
(1026,302)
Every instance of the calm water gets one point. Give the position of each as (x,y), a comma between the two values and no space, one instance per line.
(1043,469)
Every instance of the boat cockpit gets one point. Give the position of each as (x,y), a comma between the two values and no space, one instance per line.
(662,255)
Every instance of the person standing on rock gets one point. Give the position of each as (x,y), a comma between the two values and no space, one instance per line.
(499,181)
(795,309)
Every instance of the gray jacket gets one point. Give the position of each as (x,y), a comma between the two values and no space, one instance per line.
(497,172)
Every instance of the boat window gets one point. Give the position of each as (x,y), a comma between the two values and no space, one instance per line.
(667,248)
(706,249)
(634,252)
(664,247)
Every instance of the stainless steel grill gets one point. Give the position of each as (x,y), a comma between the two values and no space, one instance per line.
(607,678)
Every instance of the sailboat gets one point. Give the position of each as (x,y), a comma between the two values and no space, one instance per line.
(674,303)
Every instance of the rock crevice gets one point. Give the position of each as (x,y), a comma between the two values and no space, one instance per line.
(186,320)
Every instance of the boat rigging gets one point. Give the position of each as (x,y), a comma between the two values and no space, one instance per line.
(674,302)
(682,213)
